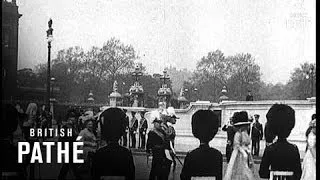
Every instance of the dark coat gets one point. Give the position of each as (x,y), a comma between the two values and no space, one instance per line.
(127,122)
(113,160)
(281,156)
(202,161)
(256,131)
(249,98)
(269,136)
(157,143)
(231,131)
(144,126)
(134,125)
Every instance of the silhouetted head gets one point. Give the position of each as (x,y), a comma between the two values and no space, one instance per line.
(113,124)
(281,120)
(9,118)
(204,125)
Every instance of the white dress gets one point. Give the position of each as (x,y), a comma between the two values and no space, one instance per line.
(241,163)
(309,161)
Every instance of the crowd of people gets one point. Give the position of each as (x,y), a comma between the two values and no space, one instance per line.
(106,152)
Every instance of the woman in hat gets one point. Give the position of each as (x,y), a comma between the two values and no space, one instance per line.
(240,166)
(89,139)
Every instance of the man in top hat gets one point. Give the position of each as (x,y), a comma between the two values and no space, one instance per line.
(133,129)
(143,126)
(256,135)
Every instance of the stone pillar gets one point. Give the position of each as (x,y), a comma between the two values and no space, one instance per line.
(114,96)
(136,90)
(164,92)
(182,100)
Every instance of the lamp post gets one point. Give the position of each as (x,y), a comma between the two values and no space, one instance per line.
(52,100)
(164,92)
(136,90)
(312,76)
(52,83)
(49,39)
(196,92)
(123,84)
(187,94)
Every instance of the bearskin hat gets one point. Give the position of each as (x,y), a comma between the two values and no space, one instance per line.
(281,120)
(204,125)
(113,124)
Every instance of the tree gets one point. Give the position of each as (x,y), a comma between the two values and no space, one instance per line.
(27,78)
(238,73)
(244,75)
(117,58)
(273,92)
(210,76)
(178,77)
(77,72)
(302,83)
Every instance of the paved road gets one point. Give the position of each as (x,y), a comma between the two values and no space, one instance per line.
(51,171)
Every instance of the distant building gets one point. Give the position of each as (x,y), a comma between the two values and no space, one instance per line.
(9,62)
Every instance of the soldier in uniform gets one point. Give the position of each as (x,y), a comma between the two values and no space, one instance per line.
(143,126)
(113,161)
(281,155)
(171,132)
(249,97)
(204,160)
(125,134)
(268,136)
(158,144)
(230,129)
(133,129)
(256,135)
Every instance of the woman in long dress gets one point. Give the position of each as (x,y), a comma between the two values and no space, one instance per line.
(241,163)
(309,160)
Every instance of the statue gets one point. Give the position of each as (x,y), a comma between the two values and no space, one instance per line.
(50,23)
(135,101)
(115,86)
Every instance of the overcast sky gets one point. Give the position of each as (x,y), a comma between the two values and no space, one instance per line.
(279,34)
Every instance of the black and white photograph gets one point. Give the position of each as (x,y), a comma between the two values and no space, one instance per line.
(158,89)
